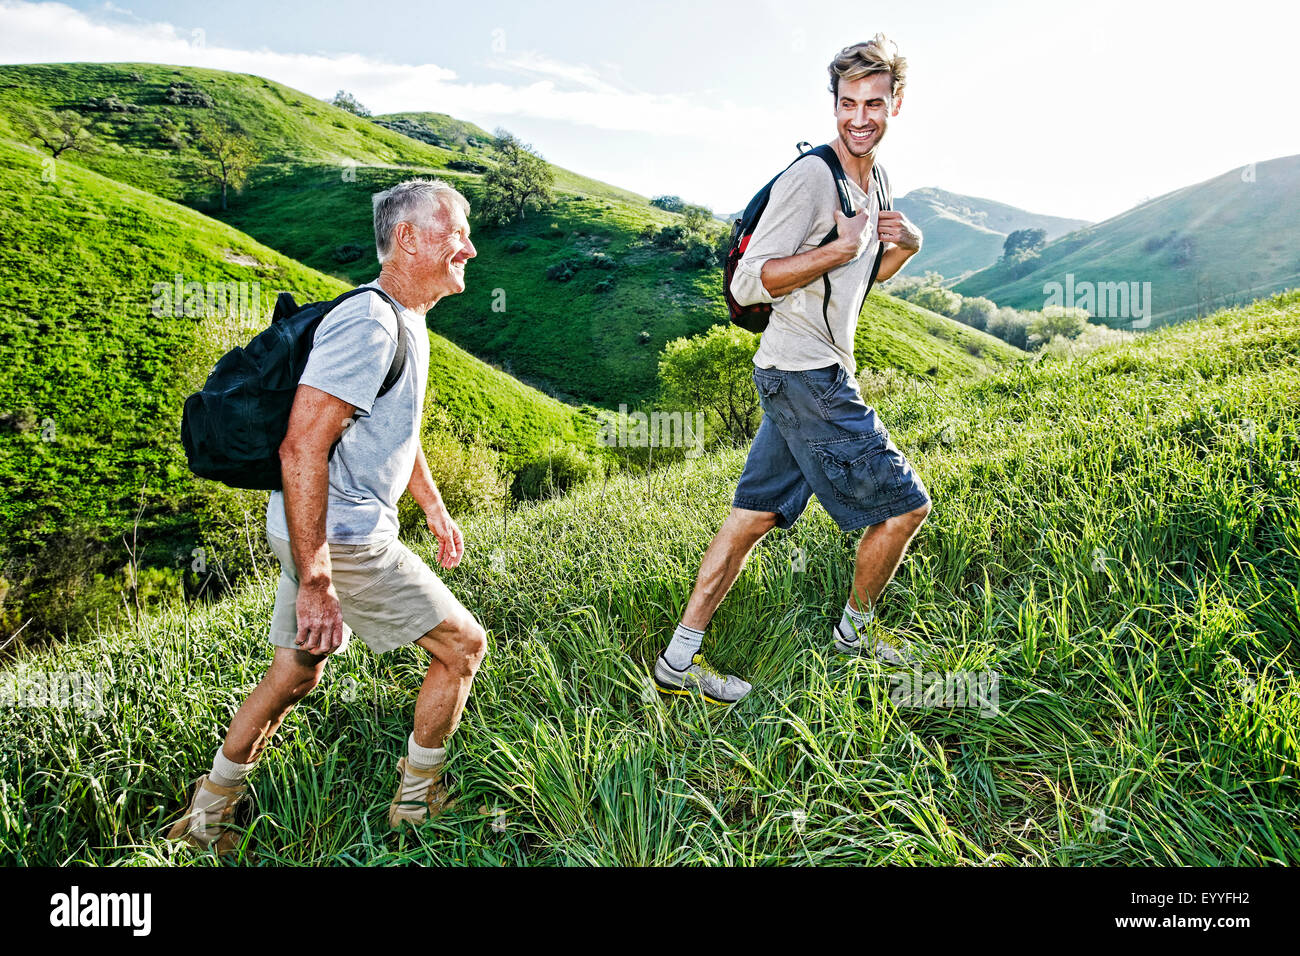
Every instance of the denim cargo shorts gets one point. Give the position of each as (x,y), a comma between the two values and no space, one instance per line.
(819,438)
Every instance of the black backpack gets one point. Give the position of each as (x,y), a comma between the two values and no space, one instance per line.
(754,318)
(233,427)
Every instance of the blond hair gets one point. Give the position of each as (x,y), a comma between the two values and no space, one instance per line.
(877,55)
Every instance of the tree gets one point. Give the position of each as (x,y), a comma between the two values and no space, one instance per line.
(520,179)
(1023,243)
(58,132)
(668,203)
(225,155)
(346,101)
(1057,320)
(976,311)
(938,300)
(1010,326)
(711,372)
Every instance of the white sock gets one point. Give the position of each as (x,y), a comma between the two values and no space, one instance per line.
(685,645)
(415,787)
(206,811)
(227,773)
(853,624)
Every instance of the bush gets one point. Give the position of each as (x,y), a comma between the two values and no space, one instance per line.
(1010,326)
(517,246)
(602,261)
(470,477)
(348,252)
(184,93)
(558,470)
(643,337)
(938,300)
(466,166)
(604,285)
(562,271)
(976,311)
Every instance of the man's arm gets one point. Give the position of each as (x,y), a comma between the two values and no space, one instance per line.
(451,543)
(315,423)
(782,276)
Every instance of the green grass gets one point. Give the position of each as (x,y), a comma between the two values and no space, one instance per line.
(1117,536)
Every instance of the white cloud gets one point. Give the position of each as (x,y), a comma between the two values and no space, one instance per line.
(55,33)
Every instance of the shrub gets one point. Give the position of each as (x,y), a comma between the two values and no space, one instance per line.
(470,477)
(604,285)
(348,252)
(556,471)
(976,311)
(184,93)
(561,271)
(517,246)
(643,337)
(602,261)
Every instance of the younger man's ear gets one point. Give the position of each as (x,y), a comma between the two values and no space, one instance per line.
(898,104)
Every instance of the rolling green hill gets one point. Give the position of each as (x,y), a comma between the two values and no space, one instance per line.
(580,339)
(1132,587)
(965,233)
(1217,243)
(91,402)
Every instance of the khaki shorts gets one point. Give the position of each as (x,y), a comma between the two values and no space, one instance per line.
(388,595)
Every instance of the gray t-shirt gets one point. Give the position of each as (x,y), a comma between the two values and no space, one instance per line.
(371,467)
(800,212)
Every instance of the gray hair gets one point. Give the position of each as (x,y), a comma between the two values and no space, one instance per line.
(414,201)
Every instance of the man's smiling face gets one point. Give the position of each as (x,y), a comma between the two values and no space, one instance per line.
(446,239)
(862,111)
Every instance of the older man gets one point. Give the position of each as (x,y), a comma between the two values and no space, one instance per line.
(334,527)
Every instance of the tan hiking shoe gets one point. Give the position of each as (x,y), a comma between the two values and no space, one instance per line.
(415,812)
(189,828)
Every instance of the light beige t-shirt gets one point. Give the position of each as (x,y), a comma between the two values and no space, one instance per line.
(800,212)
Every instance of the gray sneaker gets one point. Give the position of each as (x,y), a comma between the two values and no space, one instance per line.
(885,647)
(699,679)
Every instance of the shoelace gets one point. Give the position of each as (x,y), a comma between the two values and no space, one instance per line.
(708,668)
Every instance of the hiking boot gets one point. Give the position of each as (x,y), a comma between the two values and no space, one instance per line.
(436,798)
(194,826)
(700,679)
(874,642)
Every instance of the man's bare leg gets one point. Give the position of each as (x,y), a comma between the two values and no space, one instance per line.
(292,676)
(457,646)
(880,552)
(679,670)
(722,563)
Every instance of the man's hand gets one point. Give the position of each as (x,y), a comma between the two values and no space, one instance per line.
(894,227)
(451,543)
(852,238)
(320,619)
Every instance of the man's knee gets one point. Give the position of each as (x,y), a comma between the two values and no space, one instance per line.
(752,524)
(295,674)
(462,642)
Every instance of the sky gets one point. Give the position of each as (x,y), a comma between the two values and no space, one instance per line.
(1080,111)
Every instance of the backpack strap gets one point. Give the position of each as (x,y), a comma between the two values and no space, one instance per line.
(399,358)
(846,206)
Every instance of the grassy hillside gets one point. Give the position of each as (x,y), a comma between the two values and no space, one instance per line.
(965,233)
(91,403)
(580,338)
(1217,243)
(287,127)
(1133,586)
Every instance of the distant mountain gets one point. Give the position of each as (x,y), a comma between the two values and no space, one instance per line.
(1222,242)
(965,233)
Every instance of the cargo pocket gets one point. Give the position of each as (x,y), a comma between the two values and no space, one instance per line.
(862,470)
(773,398)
